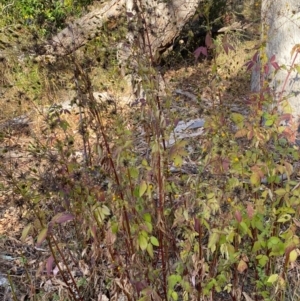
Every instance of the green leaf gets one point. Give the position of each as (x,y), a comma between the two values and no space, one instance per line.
(25,232)
(154,241)
(147,217)
(273,278)
(177,160)
(273,241)
(237,118)
(262,260)
(134,173)
(105,210)
(149,226)
(280,191)
(143,188)
(114,227)
(143,242)
(41,237)
(255,179)
(269,122)
(297,67)
(284,218)
(245,228)
(293,256)
(173,280)
(174,296)
(256,247)
(150,250)
(213,240)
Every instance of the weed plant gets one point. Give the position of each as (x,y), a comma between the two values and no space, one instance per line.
(114,219)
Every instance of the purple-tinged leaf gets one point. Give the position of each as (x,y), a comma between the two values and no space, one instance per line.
(255,57)
(272,59)
(49,265)
(55,271)
(200,50)
(66,111)
(249,65)
(41,237)
(227,47)
(208,40)
(62,217)
(275,65)
(238,215)
(266,68)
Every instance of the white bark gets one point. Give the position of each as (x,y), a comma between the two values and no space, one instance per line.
(281,29)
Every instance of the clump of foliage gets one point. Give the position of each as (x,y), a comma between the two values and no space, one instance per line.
(47,16)
(117,213)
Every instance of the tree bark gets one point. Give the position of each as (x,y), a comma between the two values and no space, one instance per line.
(281,31)
(156,22)
(78,33)
(152,27)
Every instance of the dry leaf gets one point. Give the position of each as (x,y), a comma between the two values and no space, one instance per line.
(247,297)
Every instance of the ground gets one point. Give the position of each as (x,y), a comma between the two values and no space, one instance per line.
(194,80)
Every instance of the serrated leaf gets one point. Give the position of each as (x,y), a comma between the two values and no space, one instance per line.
(25,232)
(150,250)
(62,217)
(154,241)
(273,278)
(143,188)
(41,237)
(143,243)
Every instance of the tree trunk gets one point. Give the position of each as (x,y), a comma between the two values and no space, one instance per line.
(157,23)
(281,31)
(152,27)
